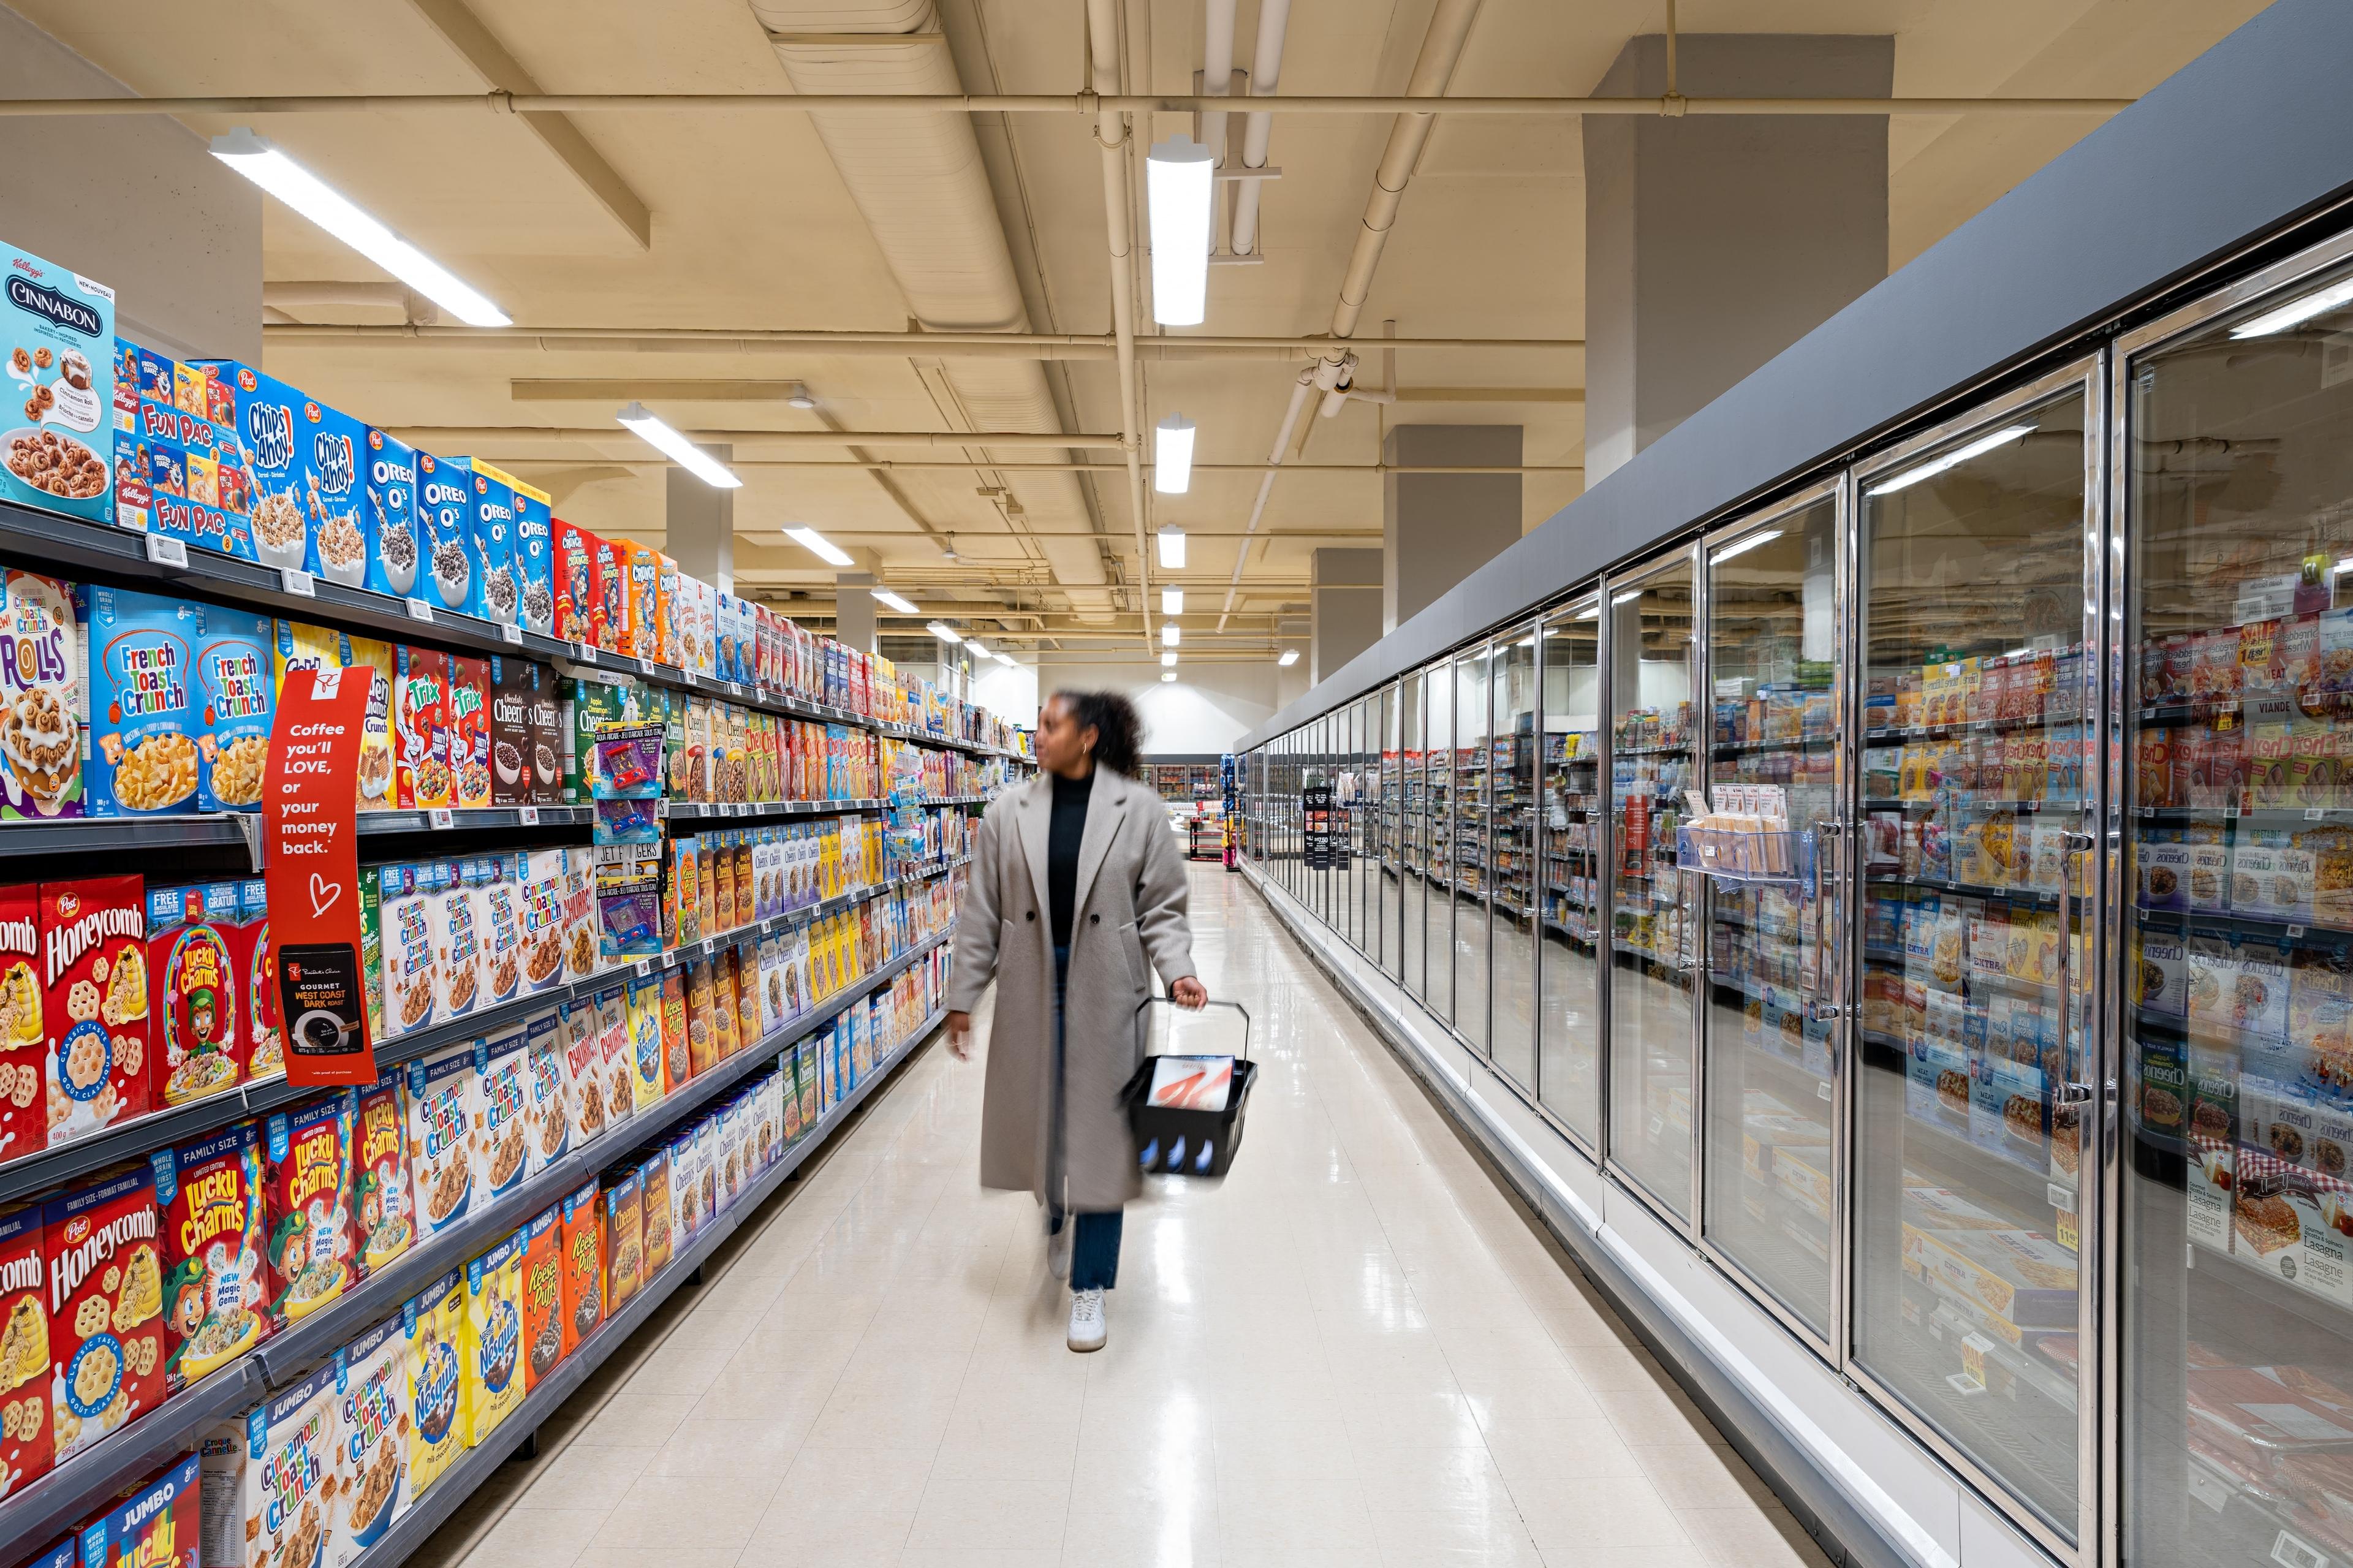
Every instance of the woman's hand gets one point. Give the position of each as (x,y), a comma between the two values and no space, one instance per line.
(1189,992)
(960,1036)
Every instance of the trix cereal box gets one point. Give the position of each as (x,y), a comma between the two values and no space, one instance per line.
(23,1033)
(190,951)
(386,1219)
(156,1524)
(542,1295)
(434,1324)
(57,329)
(23,1348)
(584,1266)
(216,1281)
(270,1479)
(421,728)
(370,1376)
(94,979)
(144,717)
(445,508)
(106,1307)
(40,677)
(307,1177)
(390,522)
(469,723)
(493,1358)
(233,700)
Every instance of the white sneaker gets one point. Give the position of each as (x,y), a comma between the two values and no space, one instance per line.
(1087,1320)
(1057,1247)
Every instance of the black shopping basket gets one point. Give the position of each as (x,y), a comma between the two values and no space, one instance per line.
(1172,1140)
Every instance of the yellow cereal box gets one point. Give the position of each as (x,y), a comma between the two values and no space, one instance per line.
(645,1001)
(434,1324)
(493,1353)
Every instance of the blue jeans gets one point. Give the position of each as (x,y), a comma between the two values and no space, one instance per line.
(1094,1247)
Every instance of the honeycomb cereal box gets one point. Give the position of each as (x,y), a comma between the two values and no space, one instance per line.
(233,700)
(384,1218)
(622,1204)
(306,1157)
(423,778)
(434,1324)
(24,1347)
(543,1294)
(143,723)
(442,1114)
(494,1342)
(199,1047)
(57,329)
(581,1245)
(40,698)
(106,1307)
(156,1523)
(216,1273)
(94,981)
(23,1033)
(371,1389)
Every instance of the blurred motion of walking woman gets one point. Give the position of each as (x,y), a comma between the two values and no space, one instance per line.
(1076,879)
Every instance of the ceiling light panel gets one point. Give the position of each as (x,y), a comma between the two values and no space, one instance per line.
(671,443)
(1177,189)
(824,549)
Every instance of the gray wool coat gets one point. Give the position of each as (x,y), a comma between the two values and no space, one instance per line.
(1131,894)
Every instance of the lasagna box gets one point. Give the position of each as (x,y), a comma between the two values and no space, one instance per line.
(23,1348)
(494,1347)
(384,1220)
(543,1294)
(40,685)
(143,718)
(56,330)
(442,1113)
(216,1273)
(434,1324)
(192,953)
(306,1178)
(94,984)
(371,1391)
(583,1248)
(272,1479)
(106,1307)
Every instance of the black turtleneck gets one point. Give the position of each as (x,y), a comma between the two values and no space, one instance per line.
(1064,833)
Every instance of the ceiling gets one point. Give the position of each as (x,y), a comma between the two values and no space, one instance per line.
(752,226)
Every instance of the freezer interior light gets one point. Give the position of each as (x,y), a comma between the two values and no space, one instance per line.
(1176,182)
(944,632)
(1742,546)
(2295,313)
(885,596)
(1172,459)
(1952,459)
(658,435)
(819,545)
(307,193)
(1172,548)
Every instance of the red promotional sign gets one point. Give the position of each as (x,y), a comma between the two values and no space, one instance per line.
(310,860)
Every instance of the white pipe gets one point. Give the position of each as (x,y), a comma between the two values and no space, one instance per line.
(1273,16)
(1300,392)
(1111,135)
(1217,81)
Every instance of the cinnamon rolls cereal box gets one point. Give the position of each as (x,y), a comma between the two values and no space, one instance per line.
(494,1342)
(23,1033)
(442,1116)
(549,1079)
(94,981)
(216,1278)
(371,1382)
(504,1121)
(56,430)
(143,714)
(24,1349)
(106,1307)
(434,1324)
(385,1218)
(389,521)
(40,684)
(542,1295)
(306,1178)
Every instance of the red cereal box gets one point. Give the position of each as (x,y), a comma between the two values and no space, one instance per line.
(216,1279)
(575,580)
(106,1305)
(196,1033)
(24,1350)
(265,1042)
(385,1222)
(470,730)
(609,616)
(422,776)
(157,1523)
(307,1177)
(94,979)
(542,1295)
(23,1033)
(584,1266)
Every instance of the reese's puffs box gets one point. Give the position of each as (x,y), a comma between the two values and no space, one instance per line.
(584,1265)
(94,978)
(542,1295)
(106,1305)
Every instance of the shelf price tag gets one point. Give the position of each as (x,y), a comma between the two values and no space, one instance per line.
(297,582)
(735,688)
(691,679)
(645,665)
(439,817)
(528,815)
(162,549)
(583,653)
(508,632)
(645,967)
(418,610)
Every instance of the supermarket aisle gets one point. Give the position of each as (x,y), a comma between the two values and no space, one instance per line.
(1353,1352)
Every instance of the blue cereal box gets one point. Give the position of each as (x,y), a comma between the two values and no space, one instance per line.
(445,518)
(234,707)
(126,386)
(534,555)
(143,716)
(56,427)
(266,424)
(501,598)
(334,543)
(390,521)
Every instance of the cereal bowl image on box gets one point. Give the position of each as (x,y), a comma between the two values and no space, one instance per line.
(40,673)
(445,501)
(57,427)
(143,758)
(391,518)
(235,693)
(335,493)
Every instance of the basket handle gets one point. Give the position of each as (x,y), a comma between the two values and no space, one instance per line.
(1171,1001)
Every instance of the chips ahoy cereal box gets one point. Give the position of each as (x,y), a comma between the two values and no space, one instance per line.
(56,430)
(389,522)
(273,435)
(335,493)
(445,518)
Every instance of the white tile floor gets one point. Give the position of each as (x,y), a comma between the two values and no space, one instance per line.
(1354,1350)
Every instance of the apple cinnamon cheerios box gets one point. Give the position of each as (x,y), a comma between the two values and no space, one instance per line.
(57,429)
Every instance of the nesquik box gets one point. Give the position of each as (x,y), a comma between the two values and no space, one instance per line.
(25,1404)
(94,979)
(494,1347)
(307,1176)
(384,1216)
(24,1035)
(215,1268)
(106,1305)
(434,1324)
(583,1247)
(199,1046)
(542,1295)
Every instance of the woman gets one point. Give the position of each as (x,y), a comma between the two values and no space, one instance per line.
(1075,878)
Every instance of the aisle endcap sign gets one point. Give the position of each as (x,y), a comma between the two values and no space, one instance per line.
(310,862)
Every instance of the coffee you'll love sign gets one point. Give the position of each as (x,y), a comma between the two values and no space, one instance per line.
(310,860)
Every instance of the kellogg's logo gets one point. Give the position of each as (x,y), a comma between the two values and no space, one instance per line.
(53,306)
(332,455)
(270,431)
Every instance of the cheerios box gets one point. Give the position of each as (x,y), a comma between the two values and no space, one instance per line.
(533,554)
(494,1347)
(235,701)
(388,520)
(273,433)
(106,1305)
(40,698)
(57,429)
(625,1262)
(24,1347)
(371,1381)
(145,719)
(306,1175)
(93,974)
(450,576)
(155,1523)
(334,451)
(434,1324)
(442,1111)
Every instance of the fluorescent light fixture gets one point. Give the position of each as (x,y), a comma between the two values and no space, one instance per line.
(1001,656)
(2346,564)
(943,631)
(1177,182)
(1628,597)
(1952,459)
(1170,634)
(1290,656)
(1172,601)
(1742,547)
(1168,660)
(2295,313)
(884,596)
(825,550)
(1172,454)
(979,650)
(307,193)
(1172,547)
(1167,675)
(677,449)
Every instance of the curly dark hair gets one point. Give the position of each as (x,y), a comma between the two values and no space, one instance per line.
(1119,731)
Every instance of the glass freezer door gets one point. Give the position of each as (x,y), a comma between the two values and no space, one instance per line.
(1569,1072)
(1972,561)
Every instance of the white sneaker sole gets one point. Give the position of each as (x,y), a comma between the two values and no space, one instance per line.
(1084,1347)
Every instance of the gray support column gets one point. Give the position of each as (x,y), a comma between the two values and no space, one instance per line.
(702,524)
(1436,529)
(1344,608)
(854,610)
(1713,243)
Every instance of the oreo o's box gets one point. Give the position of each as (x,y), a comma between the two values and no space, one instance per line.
(450,576)
(534,555)
(389,520)
(500,593)
(334,491)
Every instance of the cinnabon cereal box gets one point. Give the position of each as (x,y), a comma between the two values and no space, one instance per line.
(371,1379)
(423,778)
(250,954)
(494,1347)
(549,1077)
(272,1479)
(216,1273)
(543,1294)
(615,1044)
(40,684)
(105,1265)
(654,1212)
(23,1033)
(583,1245)
(624,1258)
(307,1175)
(584,1070)
(24,1349)
(190,951)
(442,1113)
(383,1218)
(434,1324)
(154,1524)
(504,1120)
(94,977)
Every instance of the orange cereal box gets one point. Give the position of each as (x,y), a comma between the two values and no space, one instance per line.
(24,1349)
(542,1295)
(94,984)
(106,1305)
(582,1243)
(678,1063)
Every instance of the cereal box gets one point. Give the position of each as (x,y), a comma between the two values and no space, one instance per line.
(688,1211)
(273,438)
(23,1037)
(335,493)
(469,723)
(445,516)
(307,1181)
(106,1307)
(157,1523)
(609,617)
(384,1218)
(540,894)
(94,979)
(422,769)
(666,609)
(443,1114)
(622,1202)
(617,1047)
(534,556)
(434,1324)
(647,1084)
(678,1063)
(493,520)
(498,897)
(582,949)
(453,891)
(543,1294)
(57,331)
(23,1348)
(550,1079)
(702,1024)
(504,1123)
(199,1047)
(408,965)
(143,718)
(371,1382)
(582,1245)
(641,578)
(40,685)
(515,686)
(583,1069)
(548,741)
(380,732)
(574,570)
(654,1212)
(216,1273)
(493,1355)
(389,523)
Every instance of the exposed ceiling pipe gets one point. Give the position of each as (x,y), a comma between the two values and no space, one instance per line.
(1111,137)
(943,346)
(1004,441)
(1217,81)
(297,297)
(1300,390)
(1274,18)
